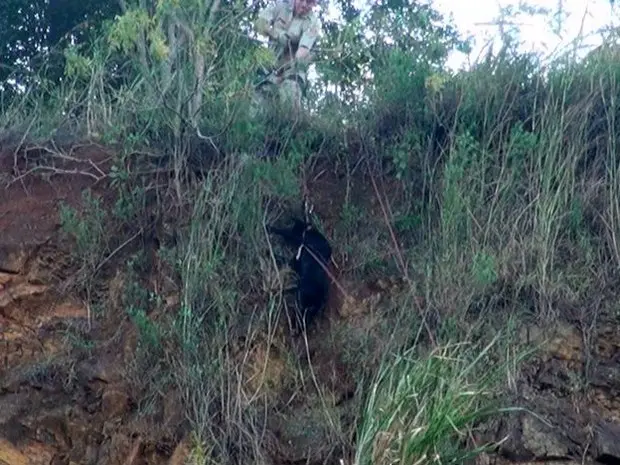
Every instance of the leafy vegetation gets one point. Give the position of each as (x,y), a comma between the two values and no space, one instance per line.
(492,193)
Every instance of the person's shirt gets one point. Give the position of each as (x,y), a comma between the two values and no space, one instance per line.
(303,31)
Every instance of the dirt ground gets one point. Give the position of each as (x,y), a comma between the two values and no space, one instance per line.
(65,401)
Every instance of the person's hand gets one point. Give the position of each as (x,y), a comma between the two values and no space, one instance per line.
(303,56)
(283,39)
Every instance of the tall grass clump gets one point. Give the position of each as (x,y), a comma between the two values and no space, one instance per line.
(599,84)
(210,305)
(512,179)
(220,261)
(422,407)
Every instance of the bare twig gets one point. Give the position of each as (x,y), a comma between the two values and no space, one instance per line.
(59,154)
(384,209)
(397,249)
(21,142)
(118,249)
(54,170)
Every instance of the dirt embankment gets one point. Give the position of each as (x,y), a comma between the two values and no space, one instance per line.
(65,399)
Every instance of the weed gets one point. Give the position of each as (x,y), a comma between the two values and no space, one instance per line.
(420,408)
(87,230)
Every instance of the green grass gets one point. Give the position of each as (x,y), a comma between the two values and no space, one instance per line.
(421,408)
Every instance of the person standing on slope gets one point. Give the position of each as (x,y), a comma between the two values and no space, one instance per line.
(293,30)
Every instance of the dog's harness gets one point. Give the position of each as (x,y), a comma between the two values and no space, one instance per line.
(301,246)
(308,209)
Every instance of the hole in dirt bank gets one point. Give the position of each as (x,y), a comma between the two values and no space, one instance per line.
(608,459)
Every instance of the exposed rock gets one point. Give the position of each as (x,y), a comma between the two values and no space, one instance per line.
(11,294)
(265,369)
(5,278)
(304,433)
(118,449)
(553,390)
(541,440)
(607,443)
(607,375)
(65,310)
(181,452)
(95,369)
(607,403)
(562,341)
(134,452)
(540,436)
(11,405)
(608,342)
(13,259)
(173,412)
(31,453)
(566,343)
(114,402)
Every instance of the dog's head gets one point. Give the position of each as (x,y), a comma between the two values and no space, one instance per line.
(300,227)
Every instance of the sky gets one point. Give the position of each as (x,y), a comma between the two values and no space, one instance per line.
(587,16)
(474,17)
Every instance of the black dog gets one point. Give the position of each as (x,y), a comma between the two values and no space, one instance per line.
(312,278)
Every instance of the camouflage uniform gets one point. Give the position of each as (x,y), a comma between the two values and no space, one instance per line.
(290,77)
